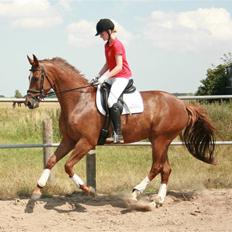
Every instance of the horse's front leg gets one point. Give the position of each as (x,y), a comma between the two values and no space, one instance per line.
(81,149)
(65,146)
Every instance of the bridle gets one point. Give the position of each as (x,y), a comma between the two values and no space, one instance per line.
(41,93)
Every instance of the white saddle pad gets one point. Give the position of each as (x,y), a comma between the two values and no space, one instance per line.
(134,103)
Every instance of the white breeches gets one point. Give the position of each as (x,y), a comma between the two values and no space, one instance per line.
(117,87)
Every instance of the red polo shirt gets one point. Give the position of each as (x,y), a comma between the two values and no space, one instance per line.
(112,49)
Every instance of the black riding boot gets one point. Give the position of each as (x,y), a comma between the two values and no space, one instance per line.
(115,115)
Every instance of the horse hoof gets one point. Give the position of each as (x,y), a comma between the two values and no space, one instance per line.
(37,193)
(158,202)
(153,204)
(135,194)
(92,192)
(36,196)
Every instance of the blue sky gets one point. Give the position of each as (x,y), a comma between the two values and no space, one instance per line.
(170,44)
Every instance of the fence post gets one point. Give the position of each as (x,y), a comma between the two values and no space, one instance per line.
(47,139)
(91,168)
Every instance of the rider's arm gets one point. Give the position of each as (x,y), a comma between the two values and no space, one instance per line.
(114,71)
(103,69)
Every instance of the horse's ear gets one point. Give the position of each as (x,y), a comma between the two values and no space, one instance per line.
(30,60)
(36,62)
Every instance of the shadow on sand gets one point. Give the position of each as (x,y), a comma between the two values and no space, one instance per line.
(76,201)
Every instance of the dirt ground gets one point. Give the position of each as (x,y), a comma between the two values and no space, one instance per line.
(206,210)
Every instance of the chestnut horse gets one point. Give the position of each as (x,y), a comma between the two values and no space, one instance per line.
(163,119)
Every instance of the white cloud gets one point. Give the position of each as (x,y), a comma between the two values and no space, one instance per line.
(81,34)
(198,30)
(33,22)
(124,35)
(30,13)
(65,4)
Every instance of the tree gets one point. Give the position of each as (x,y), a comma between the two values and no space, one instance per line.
(227,58)
(18,94)
(219,78)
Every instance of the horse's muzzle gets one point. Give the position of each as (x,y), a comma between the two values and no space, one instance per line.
(31,102)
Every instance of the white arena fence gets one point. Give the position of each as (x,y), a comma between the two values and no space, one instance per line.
(206,97)
(54,100)
(91,156)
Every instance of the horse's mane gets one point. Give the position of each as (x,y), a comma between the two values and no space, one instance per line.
(63,64)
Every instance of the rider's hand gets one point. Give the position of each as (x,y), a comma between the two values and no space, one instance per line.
(102,79)
(94,81)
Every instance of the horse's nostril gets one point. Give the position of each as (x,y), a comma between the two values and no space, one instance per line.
(29,105)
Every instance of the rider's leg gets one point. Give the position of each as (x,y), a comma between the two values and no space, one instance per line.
(115,115)
(118,85)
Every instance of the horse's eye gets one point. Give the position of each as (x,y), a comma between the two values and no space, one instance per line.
(34,79)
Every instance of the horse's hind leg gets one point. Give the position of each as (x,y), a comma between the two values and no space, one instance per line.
(165,173)
(64,147)
(159,165)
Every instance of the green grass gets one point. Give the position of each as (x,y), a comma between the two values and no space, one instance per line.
(221,117)
(128,166)
(21,125)
(119,169)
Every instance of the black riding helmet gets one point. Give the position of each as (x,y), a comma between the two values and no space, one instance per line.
(104,25)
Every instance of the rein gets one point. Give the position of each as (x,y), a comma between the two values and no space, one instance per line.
(69,90)
(41,92)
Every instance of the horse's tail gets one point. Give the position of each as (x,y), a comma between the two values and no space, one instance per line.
(198,135)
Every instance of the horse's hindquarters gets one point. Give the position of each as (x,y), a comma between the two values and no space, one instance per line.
(163,114)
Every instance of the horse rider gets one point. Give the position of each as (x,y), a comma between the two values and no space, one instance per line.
(115,71)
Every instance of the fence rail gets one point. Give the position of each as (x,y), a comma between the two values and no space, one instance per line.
(12,146)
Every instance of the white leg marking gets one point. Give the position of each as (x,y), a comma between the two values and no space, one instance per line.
(162,192)
(77,180)
(142,185)
(44,177)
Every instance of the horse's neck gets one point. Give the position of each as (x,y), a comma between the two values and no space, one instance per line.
(66,81)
